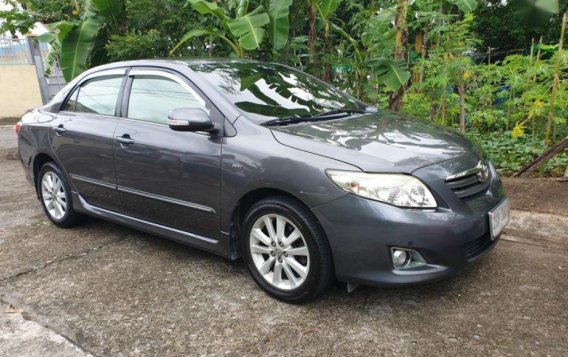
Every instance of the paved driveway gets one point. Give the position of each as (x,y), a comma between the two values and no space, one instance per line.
(102,289)
(8,137)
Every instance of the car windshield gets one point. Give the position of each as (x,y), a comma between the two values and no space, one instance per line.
(265,92)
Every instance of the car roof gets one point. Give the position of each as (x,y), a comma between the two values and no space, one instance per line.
(178,61)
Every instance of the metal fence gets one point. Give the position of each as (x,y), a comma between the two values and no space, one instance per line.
(14,51)
(26,51)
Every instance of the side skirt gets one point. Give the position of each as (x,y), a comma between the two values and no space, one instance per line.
(187,238)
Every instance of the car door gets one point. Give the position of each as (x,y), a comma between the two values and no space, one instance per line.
(164,176)
(83,137)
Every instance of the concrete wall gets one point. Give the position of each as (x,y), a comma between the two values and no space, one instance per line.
(19,90)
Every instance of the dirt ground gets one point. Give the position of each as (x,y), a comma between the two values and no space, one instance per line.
(545,195)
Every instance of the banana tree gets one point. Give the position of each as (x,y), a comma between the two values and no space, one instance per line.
(76,44)
(326,9)
(247,30)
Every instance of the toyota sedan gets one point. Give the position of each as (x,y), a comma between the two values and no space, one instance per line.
(261,161)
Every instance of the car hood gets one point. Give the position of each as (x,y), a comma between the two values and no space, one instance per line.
(377,142)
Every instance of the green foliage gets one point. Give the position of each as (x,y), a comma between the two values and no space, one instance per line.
(510,25)
(244,32)
(151,28)
(434,68)
(279,28)
(45,11)
(465,5)
(75,42)
(392,73)
(510,155)
(249,29)
(138,45)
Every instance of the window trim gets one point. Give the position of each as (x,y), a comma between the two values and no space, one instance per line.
(156,73)
(123,72)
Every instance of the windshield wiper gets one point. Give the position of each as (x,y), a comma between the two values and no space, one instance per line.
(332,114)
(286,121)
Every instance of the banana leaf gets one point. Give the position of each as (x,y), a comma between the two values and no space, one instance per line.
(279,12)
(249,29)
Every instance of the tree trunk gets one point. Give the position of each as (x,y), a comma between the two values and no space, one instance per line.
(327,74)
(555,81)
(443,109)
(401,40)
(461,91)
(312,38)
(538,56)
(542,159)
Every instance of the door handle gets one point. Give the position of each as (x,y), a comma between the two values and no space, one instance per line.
(59,129)
(125,140)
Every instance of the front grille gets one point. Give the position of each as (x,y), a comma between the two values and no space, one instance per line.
(467,186)
(471,181)
(476,247)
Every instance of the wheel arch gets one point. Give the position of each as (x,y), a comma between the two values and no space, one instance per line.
(39,160)
(245,203)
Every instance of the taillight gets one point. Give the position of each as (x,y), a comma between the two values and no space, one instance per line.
(18,127)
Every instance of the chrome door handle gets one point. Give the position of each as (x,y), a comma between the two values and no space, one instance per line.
(59,129)
(125,140)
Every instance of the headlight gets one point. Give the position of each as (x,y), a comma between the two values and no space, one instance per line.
(396,189)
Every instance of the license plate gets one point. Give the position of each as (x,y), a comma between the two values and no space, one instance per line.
(498,218)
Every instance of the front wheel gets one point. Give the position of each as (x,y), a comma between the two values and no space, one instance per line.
(286,251)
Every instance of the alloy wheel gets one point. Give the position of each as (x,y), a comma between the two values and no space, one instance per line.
(279,252)
(53,195)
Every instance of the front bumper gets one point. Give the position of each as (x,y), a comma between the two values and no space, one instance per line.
(361,233)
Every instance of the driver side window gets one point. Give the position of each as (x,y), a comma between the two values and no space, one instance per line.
(152,98)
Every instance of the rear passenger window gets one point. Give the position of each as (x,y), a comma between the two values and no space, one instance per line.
(98,96)
(72,101)
(153,97)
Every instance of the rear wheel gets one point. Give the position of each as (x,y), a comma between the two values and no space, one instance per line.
(55,196)
(286,251)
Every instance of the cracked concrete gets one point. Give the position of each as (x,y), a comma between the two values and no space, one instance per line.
(23,338)
(107,290)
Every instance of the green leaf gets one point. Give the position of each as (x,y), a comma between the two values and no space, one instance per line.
(465,5)
(211,31)
(392,73)
(328,7)
(551,6)
(249,28)
(58,31)
(279,12)
(76,48)
(110,9)
(208,8)
(48,37)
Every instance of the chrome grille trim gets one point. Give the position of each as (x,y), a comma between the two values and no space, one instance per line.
(469,182)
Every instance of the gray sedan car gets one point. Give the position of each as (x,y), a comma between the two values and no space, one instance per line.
(261,161)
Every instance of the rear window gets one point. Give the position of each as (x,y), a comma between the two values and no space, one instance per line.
(96,96)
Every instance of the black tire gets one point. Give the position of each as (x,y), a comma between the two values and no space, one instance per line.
(320,272)
(70,218)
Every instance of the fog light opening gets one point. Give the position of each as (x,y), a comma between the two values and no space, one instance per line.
(406,258)
(399,258)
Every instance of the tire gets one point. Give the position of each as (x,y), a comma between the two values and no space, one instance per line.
(55,196)
(307,258)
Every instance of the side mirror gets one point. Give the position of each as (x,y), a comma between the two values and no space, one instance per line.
(189,119)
